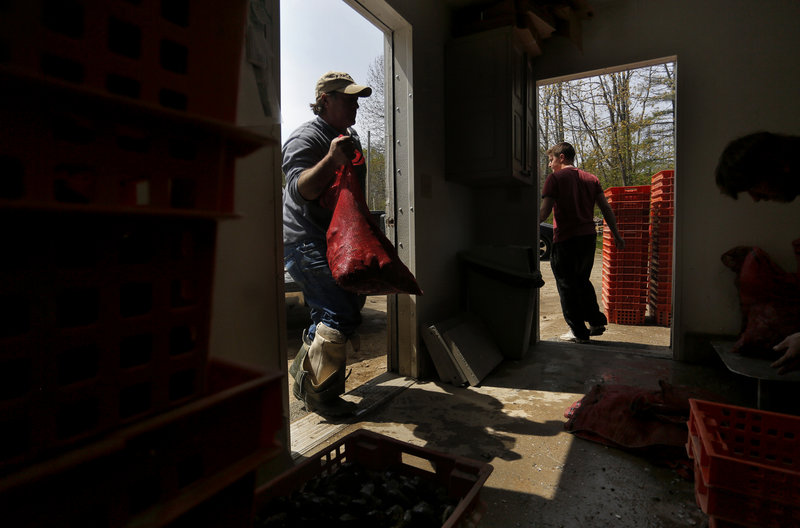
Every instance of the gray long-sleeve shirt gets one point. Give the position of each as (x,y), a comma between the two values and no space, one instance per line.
(306,146)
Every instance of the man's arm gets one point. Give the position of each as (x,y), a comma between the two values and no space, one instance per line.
(312,182)
(546,208)
(610,219)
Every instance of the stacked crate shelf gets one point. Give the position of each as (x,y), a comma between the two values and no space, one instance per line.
(117,157)
(625,270)
(662,212)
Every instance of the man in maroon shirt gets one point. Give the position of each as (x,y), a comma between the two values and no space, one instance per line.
(571,194)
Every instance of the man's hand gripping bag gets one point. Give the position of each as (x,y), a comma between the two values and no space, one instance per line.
(361,258)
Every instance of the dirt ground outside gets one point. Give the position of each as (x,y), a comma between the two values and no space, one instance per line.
(370,360)
(552,324)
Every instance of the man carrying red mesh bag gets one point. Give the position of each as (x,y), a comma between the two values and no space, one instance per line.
(325,174)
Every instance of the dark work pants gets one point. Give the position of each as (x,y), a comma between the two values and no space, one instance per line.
(572,261)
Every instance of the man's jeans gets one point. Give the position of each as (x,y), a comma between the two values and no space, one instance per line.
(572,262)
(339,309)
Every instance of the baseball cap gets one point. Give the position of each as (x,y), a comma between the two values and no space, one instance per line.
(341,82)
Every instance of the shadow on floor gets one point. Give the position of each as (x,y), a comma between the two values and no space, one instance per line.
(544,476)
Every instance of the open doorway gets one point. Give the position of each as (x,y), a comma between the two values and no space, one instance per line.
(319,36)
(621,122)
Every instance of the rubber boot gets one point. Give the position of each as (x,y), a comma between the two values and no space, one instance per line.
(300,357)
(327,354)
(320,381)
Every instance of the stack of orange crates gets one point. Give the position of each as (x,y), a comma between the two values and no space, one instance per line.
(746,469)
(662,212)
(625,271)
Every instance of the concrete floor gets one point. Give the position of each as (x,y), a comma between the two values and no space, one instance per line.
(543,476)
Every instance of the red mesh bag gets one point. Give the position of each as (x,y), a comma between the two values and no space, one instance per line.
(361,258)
(631,417)
(769,298)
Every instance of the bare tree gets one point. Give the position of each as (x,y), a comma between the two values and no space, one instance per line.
(371,127)
(622,123)
(371,114)
(551,121)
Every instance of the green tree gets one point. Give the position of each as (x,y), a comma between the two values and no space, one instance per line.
(621,123)
(376,185)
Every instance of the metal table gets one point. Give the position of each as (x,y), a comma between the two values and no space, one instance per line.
(752,367)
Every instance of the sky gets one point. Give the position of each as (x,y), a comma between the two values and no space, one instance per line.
(318,36)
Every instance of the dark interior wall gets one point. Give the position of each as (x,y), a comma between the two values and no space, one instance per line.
(506,215)
(737,73)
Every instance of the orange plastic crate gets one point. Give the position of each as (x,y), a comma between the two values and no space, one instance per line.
(659,286)
(463,478)
(628,193)
(662,194)
(630,284)
(662,252)
(661,246)
(637,288)
(61,151)
(661,234)
(108,323)
(746,510)
(662,183)
(177,54)
(660,201)
(636,255)
(747,451)
(623,267)
(660,279)
(627,315)
(661,261)
(633,228)
(660,291)
(661,311)
(625,301)
(632,205)
(659,282)
(661,255)
(631,215)
(662,317)
(639,224)
(635,247)
(662,302)
(661,231)
(665,174)
(662,296)
(662,211)
(152,472)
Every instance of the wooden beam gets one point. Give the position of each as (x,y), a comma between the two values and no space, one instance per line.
(535,20)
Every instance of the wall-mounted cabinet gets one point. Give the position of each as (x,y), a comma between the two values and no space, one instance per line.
(490,110)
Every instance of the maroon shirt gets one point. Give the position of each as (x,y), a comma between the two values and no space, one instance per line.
(574,193)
